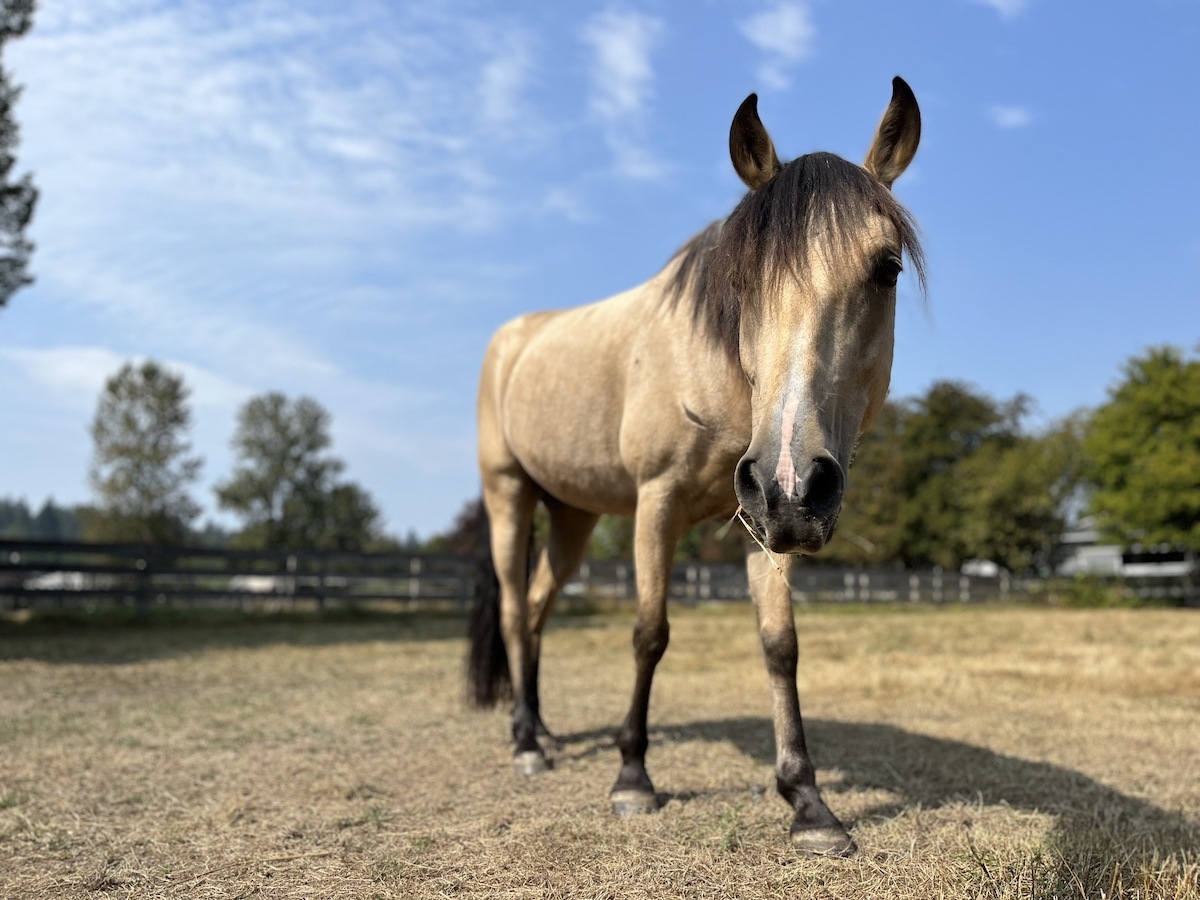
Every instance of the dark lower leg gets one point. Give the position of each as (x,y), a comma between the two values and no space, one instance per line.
(540,729)
(795,775)
(510,502)
(528,756)
(649,642)
(655,533)
(814,827)
(565,546)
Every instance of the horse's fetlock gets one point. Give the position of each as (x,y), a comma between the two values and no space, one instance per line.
(632,743)
(795,777)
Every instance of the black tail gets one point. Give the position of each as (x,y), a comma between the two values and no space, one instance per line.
(487,663)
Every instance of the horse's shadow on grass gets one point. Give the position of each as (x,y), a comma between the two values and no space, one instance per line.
(1099,834)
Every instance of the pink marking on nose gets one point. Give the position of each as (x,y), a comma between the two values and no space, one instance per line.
(785,472)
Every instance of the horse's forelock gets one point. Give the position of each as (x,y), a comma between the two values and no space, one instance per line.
(725,269)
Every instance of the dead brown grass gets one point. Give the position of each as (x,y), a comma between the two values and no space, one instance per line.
(991,753)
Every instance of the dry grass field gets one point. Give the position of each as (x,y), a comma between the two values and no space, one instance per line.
(982,752)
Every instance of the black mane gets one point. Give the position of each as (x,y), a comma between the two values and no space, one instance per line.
(722,270)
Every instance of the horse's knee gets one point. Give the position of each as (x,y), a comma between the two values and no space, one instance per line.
(650,639)
(781,653)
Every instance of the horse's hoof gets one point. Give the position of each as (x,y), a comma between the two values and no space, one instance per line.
(530,762)
(633,803)
(826,841)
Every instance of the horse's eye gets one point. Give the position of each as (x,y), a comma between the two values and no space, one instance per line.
(887,271)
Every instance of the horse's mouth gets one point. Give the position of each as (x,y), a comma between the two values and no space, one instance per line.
(807,537)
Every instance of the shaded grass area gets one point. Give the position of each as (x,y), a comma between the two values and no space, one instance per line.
(975,752)
(121,637)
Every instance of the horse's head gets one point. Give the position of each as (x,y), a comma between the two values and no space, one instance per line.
(808,262)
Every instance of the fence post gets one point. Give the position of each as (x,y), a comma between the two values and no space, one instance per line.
(1189,583)
(914,588)
(937,584)
(964,589)
(321,583)
(290,581)
(414,580)
(143,586)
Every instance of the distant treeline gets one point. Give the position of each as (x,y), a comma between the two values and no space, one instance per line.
(944,477)
(955,475)
(50,523)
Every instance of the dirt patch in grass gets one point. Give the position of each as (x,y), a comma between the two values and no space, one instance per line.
(998,752)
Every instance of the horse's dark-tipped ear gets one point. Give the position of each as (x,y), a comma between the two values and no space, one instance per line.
(750,146)
(897,137)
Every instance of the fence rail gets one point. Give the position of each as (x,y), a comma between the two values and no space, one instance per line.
(47,574)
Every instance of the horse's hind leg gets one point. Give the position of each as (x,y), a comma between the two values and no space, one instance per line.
(566,543)
(815,829)
(510,497)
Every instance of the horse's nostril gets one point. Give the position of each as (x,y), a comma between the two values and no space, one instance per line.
(747,481)
(823,487)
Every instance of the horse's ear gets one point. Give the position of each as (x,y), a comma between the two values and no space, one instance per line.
(750,146)
(897,137)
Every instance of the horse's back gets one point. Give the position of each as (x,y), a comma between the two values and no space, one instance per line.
(552,399)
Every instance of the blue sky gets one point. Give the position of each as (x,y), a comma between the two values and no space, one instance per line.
(345,200)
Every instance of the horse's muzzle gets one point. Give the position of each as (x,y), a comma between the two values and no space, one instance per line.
(800,522)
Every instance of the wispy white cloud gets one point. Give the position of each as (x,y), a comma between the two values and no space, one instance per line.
(785,33)
(75,375)
(239,193)
(228,174)
(1008,9)
(622,86)
(72,377)
(504,80)
(1008,117)
(307,120)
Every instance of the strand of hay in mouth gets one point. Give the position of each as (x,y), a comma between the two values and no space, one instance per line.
(770,556)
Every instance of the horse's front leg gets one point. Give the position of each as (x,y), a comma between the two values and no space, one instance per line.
(814,829)
(655,533)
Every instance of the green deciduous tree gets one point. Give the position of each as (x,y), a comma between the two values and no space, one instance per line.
(1142,452)
(869,529)
(1017,496)
(285,485)
(468,535)
(18,196)
(351,519)
(950,423)
(142,462)
(949,476)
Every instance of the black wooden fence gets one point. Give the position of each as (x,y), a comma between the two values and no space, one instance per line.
(47,574)
(52,574)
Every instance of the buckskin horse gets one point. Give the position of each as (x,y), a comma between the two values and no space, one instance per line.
(735,381)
